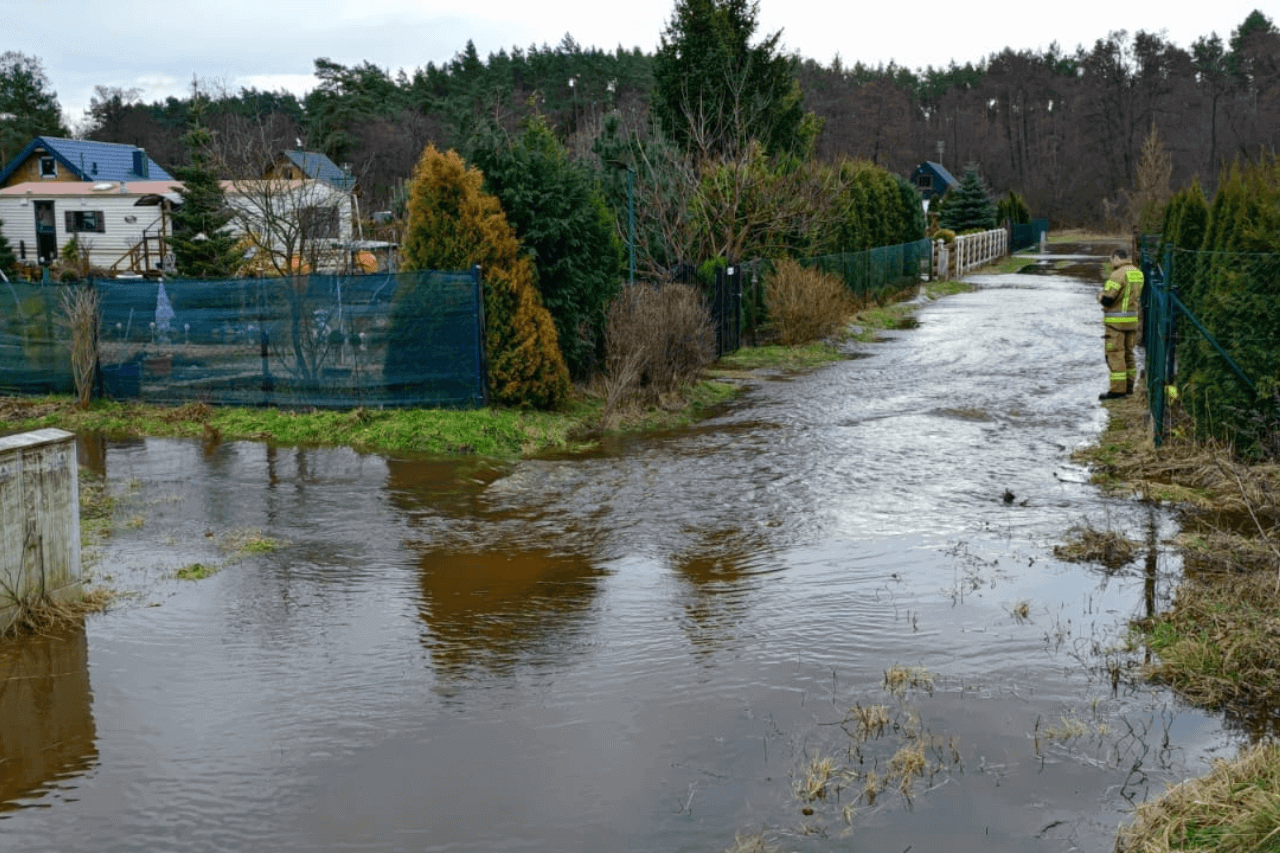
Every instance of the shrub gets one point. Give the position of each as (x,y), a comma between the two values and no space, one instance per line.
(946,235)
(805,304)
(657,340)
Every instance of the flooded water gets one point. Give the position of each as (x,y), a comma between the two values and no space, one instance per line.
(640,650)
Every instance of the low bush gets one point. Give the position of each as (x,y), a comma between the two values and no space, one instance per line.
(804,304)
(657,341)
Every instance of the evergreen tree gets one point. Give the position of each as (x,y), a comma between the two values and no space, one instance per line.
(913,219)
(28,107)
(201,246)
(560,218)
(714,91)
(970,207)
(1013,208)
(454,225)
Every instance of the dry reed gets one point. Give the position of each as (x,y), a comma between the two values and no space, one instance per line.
(81,306)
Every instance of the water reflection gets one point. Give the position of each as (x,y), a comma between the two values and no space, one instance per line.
(717,569)
(496,609)
(47,732)
(91,452)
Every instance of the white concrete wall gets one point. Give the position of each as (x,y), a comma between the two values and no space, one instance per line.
(39,518)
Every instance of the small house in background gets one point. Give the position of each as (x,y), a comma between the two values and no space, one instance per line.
(309,165)
(119,226)
(52,159)
(932,180)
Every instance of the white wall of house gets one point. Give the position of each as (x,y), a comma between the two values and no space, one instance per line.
(284,215)
(108,212)
(114,222)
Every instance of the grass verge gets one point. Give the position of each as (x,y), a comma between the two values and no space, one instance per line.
(1234,809)
(1218,645)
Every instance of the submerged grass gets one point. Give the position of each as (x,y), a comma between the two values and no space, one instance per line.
(249,541)
(899,679)
(195,572)
(1088,545)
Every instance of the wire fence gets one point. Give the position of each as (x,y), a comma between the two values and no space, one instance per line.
(406,339)
(1211,331)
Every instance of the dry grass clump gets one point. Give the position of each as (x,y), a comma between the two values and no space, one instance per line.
(1087,545)
(805,304)
(42,614)
(815,780)
(199,412)
(871,721)
(753,843)
(899,679)
(907,765)
(1067,728)
(657,341)
(1236,808)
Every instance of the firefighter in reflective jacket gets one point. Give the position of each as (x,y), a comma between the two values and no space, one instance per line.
(1121,295)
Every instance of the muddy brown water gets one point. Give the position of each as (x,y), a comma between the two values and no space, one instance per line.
(638,650)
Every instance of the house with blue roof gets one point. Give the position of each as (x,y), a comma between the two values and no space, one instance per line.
(932,180)
(301,165)
(50,158)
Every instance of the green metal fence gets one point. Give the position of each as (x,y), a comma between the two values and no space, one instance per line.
(1027,234)
(1211,332)
(873,272)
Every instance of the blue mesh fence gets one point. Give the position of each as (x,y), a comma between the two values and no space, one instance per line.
(35,349)
(406,339)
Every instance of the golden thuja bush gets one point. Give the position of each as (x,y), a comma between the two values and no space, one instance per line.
(804,304)
(454,225)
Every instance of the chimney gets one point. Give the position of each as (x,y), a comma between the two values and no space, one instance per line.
(141,164)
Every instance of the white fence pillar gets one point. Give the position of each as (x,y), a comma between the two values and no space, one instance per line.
(39,519)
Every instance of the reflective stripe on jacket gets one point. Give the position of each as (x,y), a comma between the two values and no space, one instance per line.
(1125,286)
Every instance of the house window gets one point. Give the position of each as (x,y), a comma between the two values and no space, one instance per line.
(318,222)
(85,221)
(48,167)
(924,182)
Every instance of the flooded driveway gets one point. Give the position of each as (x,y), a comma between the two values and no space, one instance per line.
(830,615)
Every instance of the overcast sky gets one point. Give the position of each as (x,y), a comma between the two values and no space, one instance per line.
(158,47)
